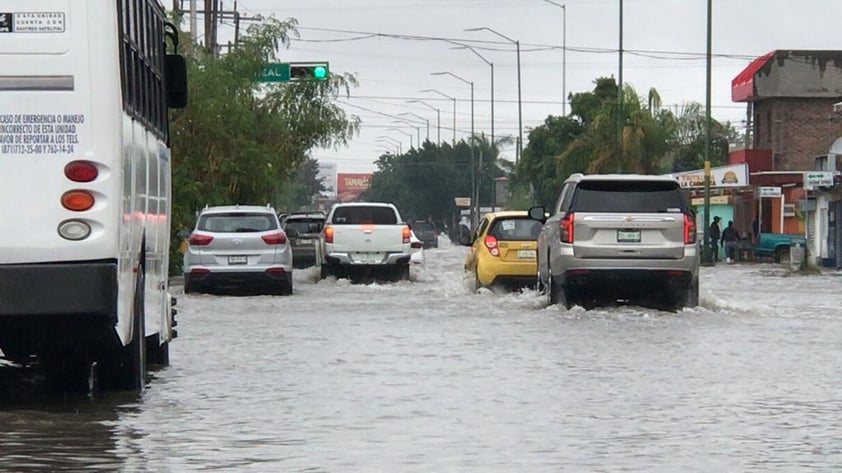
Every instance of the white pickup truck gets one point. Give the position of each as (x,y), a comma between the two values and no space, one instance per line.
(361,238)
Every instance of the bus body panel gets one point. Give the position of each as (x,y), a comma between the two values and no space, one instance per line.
(72,91)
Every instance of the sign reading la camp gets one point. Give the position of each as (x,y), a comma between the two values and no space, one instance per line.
(735,175)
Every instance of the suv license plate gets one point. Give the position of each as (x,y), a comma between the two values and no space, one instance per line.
(305,241)
(628,236)
(238,260)
(525,253)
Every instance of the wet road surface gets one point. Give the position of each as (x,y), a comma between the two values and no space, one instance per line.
(425,376)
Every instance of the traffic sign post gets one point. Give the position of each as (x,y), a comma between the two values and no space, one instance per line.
(294,71)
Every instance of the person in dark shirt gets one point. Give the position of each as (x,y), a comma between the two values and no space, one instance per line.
(715,234)
(730,237)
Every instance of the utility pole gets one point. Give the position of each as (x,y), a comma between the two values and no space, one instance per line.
(620,99)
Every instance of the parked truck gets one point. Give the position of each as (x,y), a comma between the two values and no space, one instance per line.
(366,239)
(776,245)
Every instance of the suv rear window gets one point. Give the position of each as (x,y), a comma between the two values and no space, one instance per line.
(355,215)
(237,222)
(305,225)
(515,229)
(629,196)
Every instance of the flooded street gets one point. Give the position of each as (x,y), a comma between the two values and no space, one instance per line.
(426,376)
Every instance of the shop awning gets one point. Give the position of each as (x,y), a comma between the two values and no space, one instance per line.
(742,86)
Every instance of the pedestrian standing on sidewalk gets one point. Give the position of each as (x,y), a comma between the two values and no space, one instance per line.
(714,234)
(730,237)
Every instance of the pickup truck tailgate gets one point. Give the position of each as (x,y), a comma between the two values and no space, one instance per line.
(368,238)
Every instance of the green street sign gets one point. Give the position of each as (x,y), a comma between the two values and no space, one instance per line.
(275,72)
(294,71)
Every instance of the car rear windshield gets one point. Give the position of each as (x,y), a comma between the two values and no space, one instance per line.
(517,228)
(355,215)
(237,222)
(423,227)
(305,225)
(629,196)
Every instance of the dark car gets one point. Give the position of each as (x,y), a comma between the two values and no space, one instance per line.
(306,242)
(427,233)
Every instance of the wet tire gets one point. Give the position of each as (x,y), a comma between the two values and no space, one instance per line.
(126,369)
(157,353)
(555,292)
(325,271)
(782,255)
(691,298)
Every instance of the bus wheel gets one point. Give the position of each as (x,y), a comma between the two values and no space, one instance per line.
(127,371)
(157,353)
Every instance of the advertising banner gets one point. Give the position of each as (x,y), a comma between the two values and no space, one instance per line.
(723,176)
(350,186)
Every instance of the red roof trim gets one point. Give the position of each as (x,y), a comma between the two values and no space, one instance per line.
(742,86)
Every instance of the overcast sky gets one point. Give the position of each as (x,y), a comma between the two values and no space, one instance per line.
(392,71)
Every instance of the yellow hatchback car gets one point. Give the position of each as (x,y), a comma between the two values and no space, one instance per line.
(502,252)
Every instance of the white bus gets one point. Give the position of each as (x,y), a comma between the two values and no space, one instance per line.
(85,188)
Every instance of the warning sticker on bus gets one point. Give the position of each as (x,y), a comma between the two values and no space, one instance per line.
(32,22)
(40,133)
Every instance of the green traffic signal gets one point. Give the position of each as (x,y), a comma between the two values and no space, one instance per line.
(311,71)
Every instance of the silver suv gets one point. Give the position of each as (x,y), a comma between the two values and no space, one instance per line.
(623,238)
(238,247)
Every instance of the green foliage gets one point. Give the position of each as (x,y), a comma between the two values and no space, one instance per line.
(653,140)
(423,183)
(242,141)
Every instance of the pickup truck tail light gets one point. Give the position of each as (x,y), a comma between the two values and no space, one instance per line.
(199,239)
(689,230)
(328,232)
(278,238)
(491,244)
(406,233)
(566,228)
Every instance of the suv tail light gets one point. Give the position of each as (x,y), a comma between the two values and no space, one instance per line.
(199,239)
(328,231)
(566,228)
(406,233)
(689,230)
(278,238)
(491,244)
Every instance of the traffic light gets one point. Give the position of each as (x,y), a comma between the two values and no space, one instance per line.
(308,70)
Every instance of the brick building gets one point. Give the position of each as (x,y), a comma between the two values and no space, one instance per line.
(790,97)
(794,100)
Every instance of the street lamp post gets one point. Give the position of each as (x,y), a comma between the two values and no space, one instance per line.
(563,7)
(491,64)
(474,176)
(410,114)
(404,121)
(519,148)
(453,143)
(438,118)
(405,133)
(392,141)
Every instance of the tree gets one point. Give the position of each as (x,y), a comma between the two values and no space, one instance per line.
(243,141)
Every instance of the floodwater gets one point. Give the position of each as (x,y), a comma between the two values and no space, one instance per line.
(425,376)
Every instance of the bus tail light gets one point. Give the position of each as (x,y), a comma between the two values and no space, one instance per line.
(328,231)
(77,200)
(566,230)
(491,244)
(81,171)
(406,234)
(278,238)
(689,230)
(199,239)
(74,230)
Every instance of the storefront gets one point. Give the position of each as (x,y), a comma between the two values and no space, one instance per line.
(730,195)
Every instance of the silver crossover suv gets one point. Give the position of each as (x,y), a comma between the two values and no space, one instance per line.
(623,238)
(238,247)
